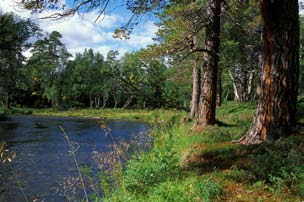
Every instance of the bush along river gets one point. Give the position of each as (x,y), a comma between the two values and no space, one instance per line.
(44,168)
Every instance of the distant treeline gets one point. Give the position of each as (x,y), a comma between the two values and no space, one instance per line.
(155,77)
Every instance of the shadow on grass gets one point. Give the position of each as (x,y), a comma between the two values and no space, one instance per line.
(283,159)
(243,107)
(223,124)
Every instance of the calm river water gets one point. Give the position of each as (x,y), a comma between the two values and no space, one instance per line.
(43,162)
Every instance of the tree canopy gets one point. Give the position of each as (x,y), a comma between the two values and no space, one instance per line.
(226,52)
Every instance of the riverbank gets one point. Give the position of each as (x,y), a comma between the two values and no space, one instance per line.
(184,166)
(157,115)
(151,116)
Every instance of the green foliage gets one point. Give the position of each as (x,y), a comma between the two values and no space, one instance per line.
(240,175)
(14,110)
(300,185)
(3,114)
(301,53)
(88,79)
(147,171)
(268,169)
(49,59)
(15,34)
(187,190)
(181,22)
(180,158)
(240,47)
(280,163)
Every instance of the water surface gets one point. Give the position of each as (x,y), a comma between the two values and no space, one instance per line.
(43,160)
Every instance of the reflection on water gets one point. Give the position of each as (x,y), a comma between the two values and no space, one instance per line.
(43,160)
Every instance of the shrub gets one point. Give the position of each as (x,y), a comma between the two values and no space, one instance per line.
(187,190)
(151,169)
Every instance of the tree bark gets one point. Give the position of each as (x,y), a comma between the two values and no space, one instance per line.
(97,102)
(240,80)
(8,100)
(235,90)
(195,90)
(243,83)
(128,102)
(259,76)
(275,116)
(242,76)
(115,102)
(219,89)
(105,100)
(207,105)
(250,85)
(91,100)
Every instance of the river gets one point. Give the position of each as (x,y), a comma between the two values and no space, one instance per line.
(43,162)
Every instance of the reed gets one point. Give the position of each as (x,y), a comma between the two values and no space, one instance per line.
(73,152)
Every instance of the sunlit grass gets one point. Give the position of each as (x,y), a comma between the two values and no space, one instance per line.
(180,160)
(157,115)
(186,166)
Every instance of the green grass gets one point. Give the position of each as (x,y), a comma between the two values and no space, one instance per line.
(155,116)
(14,110)
(186,166)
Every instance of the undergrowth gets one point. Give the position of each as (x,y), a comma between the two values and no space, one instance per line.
(186,166)
(14,110)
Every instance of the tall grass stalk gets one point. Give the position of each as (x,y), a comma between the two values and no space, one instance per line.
(73,151)
(118,167)
(20,186)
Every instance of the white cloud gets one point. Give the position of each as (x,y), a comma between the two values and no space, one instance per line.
(13,6)
(143,35)
(103,49)
(81,31)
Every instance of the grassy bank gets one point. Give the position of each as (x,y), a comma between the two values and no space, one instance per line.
(152,116)
(14,110)
(158,115)
(183,166)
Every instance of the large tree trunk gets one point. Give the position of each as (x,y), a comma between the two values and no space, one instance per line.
(206,115)
(275,116)
(195,90)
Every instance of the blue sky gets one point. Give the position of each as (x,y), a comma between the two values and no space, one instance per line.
(80,31)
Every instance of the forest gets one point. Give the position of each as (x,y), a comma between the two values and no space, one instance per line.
(51,77)
(222,88)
